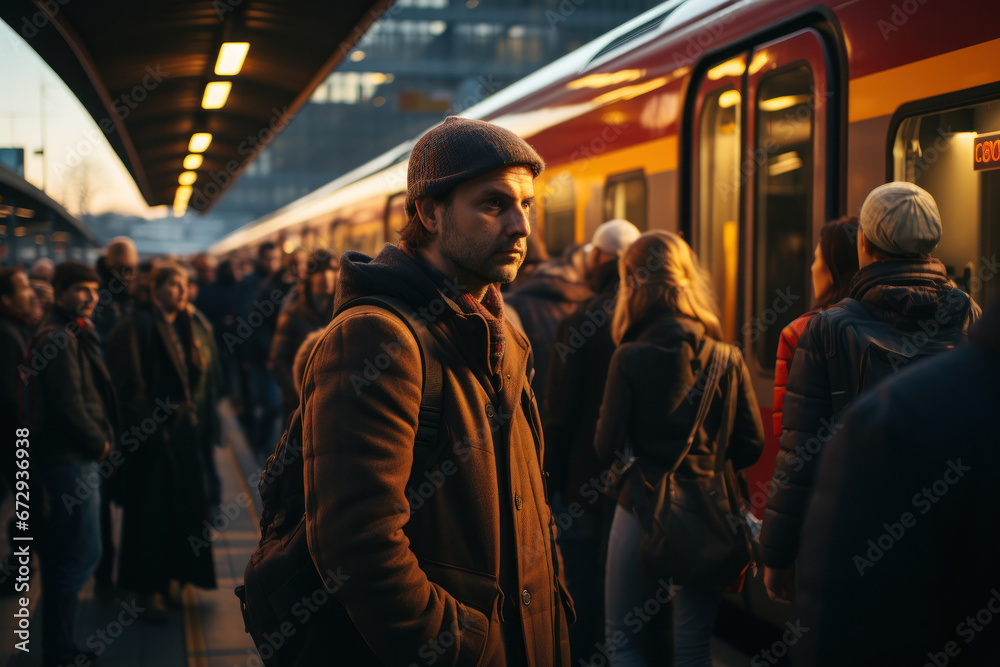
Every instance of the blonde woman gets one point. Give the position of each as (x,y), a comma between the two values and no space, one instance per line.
(665,325)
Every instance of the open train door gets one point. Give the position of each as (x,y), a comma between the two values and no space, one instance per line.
(789,195)
(764,134)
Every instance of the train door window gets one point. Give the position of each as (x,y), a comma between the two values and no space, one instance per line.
(625,198)
(395,217)
(788,199)
(718,119)
(559,211)
(954,154)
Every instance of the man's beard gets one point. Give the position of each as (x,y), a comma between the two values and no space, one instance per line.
(475,257)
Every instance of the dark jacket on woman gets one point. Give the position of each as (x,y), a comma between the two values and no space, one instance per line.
(163,534)
(651,399)
(912,300)
(72,400)
(902,547)
(296,322)
(456,562)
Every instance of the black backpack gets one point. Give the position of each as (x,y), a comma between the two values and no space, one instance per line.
(288,607)
(881,351)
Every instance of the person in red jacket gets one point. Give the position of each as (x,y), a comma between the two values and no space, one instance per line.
(833,269)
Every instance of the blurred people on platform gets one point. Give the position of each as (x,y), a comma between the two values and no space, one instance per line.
(552,291)
(577,372)
(17,308)
(40,277)
(218,301)
(259,309)
(903,519)
(206,391)
(846,349)
(312,309)
(72,416)
(117,268)
(157,362)
(206,269)
(835,261)
(667,328)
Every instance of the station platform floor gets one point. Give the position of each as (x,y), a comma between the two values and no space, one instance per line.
(207,629)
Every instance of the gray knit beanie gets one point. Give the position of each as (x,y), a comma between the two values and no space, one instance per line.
(460,149)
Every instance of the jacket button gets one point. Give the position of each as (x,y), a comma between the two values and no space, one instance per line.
(525,597)
(489,411)
(517,501)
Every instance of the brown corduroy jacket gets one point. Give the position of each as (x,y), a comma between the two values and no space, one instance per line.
(444,556)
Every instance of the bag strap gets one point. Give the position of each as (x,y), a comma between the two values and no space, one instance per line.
(429,415)
(728,412)
(715,368)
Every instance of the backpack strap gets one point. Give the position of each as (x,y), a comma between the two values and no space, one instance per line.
(429,416)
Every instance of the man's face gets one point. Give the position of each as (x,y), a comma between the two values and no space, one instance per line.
(206,268)
(270,261)
(80,298)
(299,264)
(483,231)
(22,301)
(172,293)
(323,283)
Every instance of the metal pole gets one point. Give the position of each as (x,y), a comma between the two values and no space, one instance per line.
(41,89)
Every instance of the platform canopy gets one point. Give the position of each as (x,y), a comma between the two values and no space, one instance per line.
(142,69)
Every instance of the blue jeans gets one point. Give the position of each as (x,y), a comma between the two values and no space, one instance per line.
(70,551)
(633,597)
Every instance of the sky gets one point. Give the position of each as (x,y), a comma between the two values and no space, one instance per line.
(75,163)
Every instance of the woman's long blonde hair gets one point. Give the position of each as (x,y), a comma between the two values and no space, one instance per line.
(661,269)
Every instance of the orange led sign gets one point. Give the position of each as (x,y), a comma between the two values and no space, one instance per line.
(986,152)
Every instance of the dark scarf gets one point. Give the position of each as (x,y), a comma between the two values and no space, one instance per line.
(15,315)
(491,307)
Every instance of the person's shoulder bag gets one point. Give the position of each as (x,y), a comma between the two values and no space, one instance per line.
(694,531)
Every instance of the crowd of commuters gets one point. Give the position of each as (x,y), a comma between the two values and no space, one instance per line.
(586,363)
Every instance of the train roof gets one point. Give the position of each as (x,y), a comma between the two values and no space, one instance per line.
(502,107)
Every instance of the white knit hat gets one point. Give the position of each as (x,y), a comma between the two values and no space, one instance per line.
(901,218)
(614,236)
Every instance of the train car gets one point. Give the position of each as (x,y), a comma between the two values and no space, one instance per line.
(745,126)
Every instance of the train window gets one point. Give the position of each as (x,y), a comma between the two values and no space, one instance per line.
(942,152)
(395,217)
(559,208)
(625,198)
(719,197)
(784,206)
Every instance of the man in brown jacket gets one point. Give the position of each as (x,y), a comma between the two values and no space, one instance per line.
(446,556)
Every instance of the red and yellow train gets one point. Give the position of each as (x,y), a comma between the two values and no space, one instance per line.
(744,125)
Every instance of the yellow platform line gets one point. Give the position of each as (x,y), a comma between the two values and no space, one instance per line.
(194,636)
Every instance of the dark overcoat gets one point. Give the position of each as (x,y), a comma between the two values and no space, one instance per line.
(165,534)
